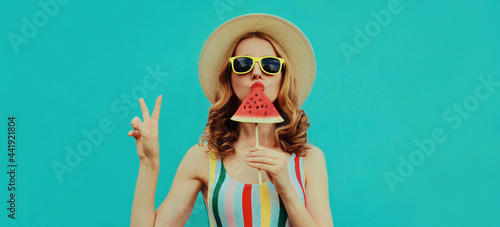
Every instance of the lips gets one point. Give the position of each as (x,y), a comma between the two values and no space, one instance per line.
(257,84)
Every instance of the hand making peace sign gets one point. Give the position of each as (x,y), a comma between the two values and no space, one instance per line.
(146,133)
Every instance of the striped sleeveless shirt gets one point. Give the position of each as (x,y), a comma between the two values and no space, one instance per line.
(234,204)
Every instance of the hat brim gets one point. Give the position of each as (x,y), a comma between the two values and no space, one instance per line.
(295,45)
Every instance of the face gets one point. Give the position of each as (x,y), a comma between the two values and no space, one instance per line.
(241,83)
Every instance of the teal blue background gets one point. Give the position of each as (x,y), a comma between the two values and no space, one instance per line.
(364,113)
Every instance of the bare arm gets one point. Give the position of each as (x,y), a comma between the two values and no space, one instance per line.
(148,150)
(178,205)
(176,208)
(317,199)
(143,208)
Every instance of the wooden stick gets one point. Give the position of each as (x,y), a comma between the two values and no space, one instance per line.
(257,142)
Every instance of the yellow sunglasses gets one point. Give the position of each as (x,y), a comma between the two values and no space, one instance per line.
(269,64)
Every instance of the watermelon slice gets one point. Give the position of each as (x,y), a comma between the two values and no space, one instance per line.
(257,108)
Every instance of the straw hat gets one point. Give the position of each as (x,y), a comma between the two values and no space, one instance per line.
(295,45)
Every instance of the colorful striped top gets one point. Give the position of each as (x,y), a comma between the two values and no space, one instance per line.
(231,203)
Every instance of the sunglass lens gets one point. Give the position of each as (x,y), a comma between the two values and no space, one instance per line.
(242,64)
(271,65)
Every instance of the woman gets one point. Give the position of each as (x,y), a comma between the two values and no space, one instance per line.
(224,168)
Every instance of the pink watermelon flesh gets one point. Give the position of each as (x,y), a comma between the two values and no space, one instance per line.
(257,108)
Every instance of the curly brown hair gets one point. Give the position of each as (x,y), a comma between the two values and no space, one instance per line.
(221,132)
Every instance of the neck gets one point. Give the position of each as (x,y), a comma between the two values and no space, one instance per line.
(266,134)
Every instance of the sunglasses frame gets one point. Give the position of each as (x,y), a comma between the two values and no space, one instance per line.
(256,59)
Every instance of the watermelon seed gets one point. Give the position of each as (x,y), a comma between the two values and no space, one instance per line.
(261,106)
(251,98)
(245,107)
(266,106)
(248,103)
(255,95)
(257,107)
(265,113)
(260,100)
(254,102)
(250,111)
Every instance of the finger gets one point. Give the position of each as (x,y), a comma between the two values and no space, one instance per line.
(144,108)
(262,160)
(256,148)
(141,128)
(156,110)
(136,123)
(263,153)
(135,134)
(260,148)
(260,166)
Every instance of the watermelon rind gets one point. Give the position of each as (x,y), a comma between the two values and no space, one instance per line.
(277,119)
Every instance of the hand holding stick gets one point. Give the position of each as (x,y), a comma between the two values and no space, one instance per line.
(257,108)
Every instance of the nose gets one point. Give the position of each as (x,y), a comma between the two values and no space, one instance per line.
(256,72)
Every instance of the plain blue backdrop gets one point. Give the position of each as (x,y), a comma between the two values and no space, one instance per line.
(405,104)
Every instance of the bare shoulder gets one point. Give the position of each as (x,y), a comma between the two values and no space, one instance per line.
(314,162)
(316,181)
(314,154)
(198,151)
(196,160)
